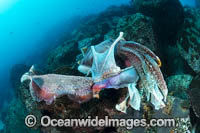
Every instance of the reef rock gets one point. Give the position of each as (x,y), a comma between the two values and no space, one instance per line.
(194,94)
(178,85)
(176,109)
(64,54)
(89,41)
(16,72)
(189,39)
(1,125)
(14,118)
(167,14)
(138,28)
(197,2)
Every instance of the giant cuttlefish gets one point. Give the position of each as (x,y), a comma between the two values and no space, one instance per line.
(141,75)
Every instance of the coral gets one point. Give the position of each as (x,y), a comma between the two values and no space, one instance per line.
(188,39)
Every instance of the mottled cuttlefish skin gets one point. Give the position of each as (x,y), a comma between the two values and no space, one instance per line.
(141,58)
(142,70)
(145,62)
(51,86)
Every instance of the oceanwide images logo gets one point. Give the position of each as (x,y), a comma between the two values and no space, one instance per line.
(46,121)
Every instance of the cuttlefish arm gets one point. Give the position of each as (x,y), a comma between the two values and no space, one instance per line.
(106,74)
(51,86)
(105,70)
(147,65)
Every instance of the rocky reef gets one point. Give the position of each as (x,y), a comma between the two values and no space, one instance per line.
(188,42)
(164,26)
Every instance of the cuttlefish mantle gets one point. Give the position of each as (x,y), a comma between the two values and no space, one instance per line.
(104,64)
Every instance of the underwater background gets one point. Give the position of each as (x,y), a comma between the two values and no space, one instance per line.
(50,35)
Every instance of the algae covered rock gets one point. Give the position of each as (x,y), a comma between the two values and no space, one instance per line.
(178,85)
(14,118)
(188,43)
(89,41)
(197,2)
(64,54)
(194,95)
(15,74)
(167,14)
(1,125)
(138,28)
(176,109)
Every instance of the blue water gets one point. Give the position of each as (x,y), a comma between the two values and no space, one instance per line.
(188,3)
(28,28)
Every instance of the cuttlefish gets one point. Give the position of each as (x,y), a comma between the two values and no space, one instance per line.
(48,87)
(140,75)
(142,67)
